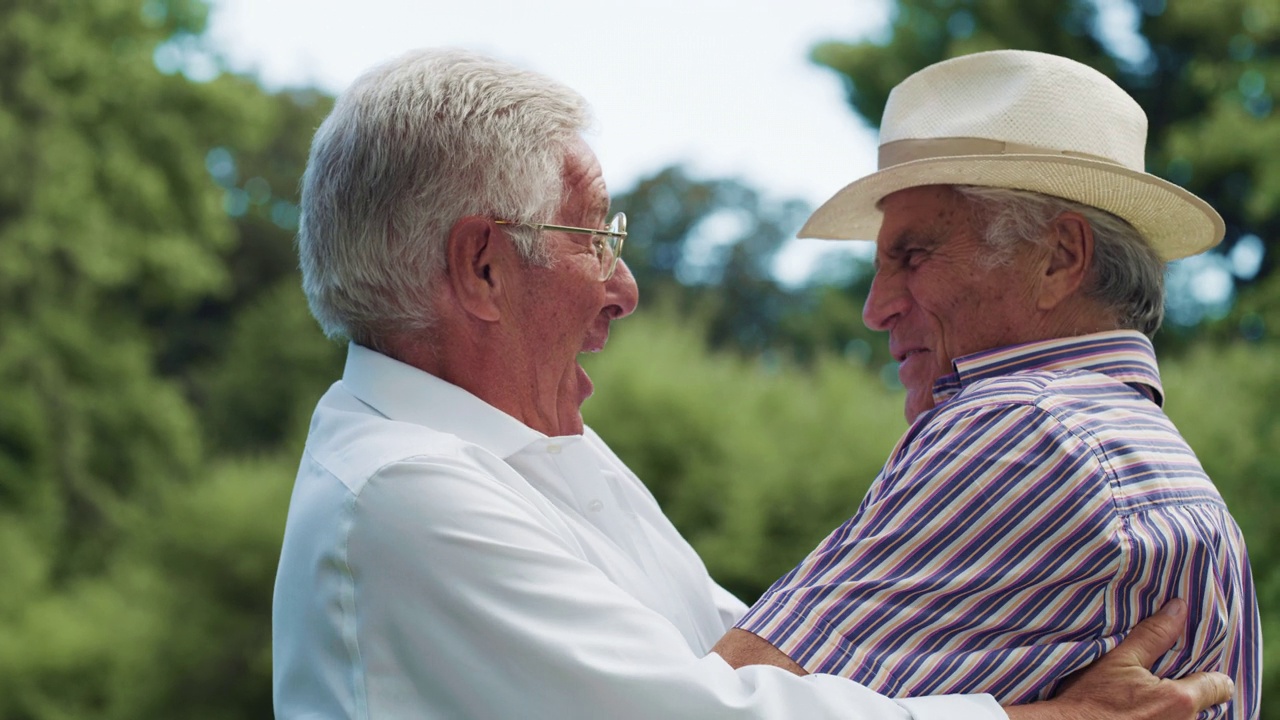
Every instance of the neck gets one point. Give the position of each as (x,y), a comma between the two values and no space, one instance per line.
(477,361)
(1082,317)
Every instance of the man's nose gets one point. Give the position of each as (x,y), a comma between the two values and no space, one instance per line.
(886,301)
(621,291)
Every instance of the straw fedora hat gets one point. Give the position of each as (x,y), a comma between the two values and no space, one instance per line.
(1027,121)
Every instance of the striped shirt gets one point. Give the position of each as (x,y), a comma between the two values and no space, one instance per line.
(1018,531)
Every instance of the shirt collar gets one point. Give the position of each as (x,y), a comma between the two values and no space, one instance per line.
(1123,355)
(405,393)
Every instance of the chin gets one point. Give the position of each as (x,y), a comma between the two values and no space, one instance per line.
(913,410)
(572,425)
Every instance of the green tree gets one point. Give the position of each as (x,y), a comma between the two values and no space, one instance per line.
(107,217)
(707,248)
(127,246)
(178,623)
(251,357)
(148,298)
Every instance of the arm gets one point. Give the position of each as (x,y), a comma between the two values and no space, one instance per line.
(740,648)
(468,604)
(1116,687)
(978,546)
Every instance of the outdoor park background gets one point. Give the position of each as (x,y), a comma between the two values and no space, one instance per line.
(158,364)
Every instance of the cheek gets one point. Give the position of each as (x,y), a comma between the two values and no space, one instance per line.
(991,317)
(575,309)
(964,314)
(948,301)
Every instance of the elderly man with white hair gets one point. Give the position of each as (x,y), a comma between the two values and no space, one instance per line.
(459,544)
(1041,502)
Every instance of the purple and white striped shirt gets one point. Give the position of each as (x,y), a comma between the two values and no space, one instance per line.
(1018,531)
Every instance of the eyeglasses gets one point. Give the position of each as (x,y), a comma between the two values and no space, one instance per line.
(606,242)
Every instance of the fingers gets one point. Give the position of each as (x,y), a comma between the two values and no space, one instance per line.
(1153,637)
(1207,689)
(1120,684)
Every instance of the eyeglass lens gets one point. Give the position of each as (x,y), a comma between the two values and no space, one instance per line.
(611,247)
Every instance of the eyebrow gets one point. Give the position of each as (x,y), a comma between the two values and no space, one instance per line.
(599,210)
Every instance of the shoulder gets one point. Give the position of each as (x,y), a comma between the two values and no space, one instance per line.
(1071,401)
(352,444)
(1042,388)
(1009,431)
(994,409)
(363,475)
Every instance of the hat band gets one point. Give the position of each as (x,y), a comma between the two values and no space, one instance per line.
(898,152)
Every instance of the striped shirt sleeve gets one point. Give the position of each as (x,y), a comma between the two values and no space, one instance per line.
(984,559)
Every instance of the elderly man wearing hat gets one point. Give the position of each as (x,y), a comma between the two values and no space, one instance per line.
(1041,502)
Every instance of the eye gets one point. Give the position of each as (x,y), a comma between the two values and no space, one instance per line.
(598,244)
(914,257)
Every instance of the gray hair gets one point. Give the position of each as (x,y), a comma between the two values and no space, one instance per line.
(1127,276)
(412,146)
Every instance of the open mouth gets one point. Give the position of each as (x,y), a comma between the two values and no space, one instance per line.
(594,342)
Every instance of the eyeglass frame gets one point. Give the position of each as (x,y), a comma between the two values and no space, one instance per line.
(618,220)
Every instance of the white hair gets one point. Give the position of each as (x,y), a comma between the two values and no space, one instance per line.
(411,147)
(1127,276)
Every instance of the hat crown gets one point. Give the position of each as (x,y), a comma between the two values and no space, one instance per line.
(1025,121)
(1036,103)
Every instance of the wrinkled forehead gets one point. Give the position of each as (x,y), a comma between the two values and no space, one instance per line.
(584,179)
(932,209)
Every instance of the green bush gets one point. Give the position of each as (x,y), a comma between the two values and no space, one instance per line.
(178,625)
(754,461)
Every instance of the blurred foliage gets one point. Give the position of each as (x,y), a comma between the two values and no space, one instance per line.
(709,248)
(119,257)
(755,461)
(178,623)
(105,216)
(151,325)
(158,363)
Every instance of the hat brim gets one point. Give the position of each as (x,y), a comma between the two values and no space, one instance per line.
(1176,223)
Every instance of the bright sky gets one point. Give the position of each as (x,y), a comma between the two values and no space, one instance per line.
(724,86)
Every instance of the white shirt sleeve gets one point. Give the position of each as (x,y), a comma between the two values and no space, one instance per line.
(464,602)
(729,607)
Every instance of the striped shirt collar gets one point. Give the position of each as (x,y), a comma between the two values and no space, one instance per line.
(1123,355)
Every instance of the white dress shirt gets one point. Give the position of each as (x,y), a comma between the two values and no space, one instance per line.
(443,560)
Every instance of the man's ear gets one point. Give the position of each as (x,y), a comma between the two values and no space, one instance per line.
(473,251)
(1070,238)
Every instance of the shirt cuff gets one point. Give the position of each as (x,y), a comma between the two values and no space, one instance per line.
(954,707)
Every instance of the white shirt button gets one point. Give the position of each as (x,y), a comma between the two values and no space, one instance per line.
(553,449)
(595,506)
